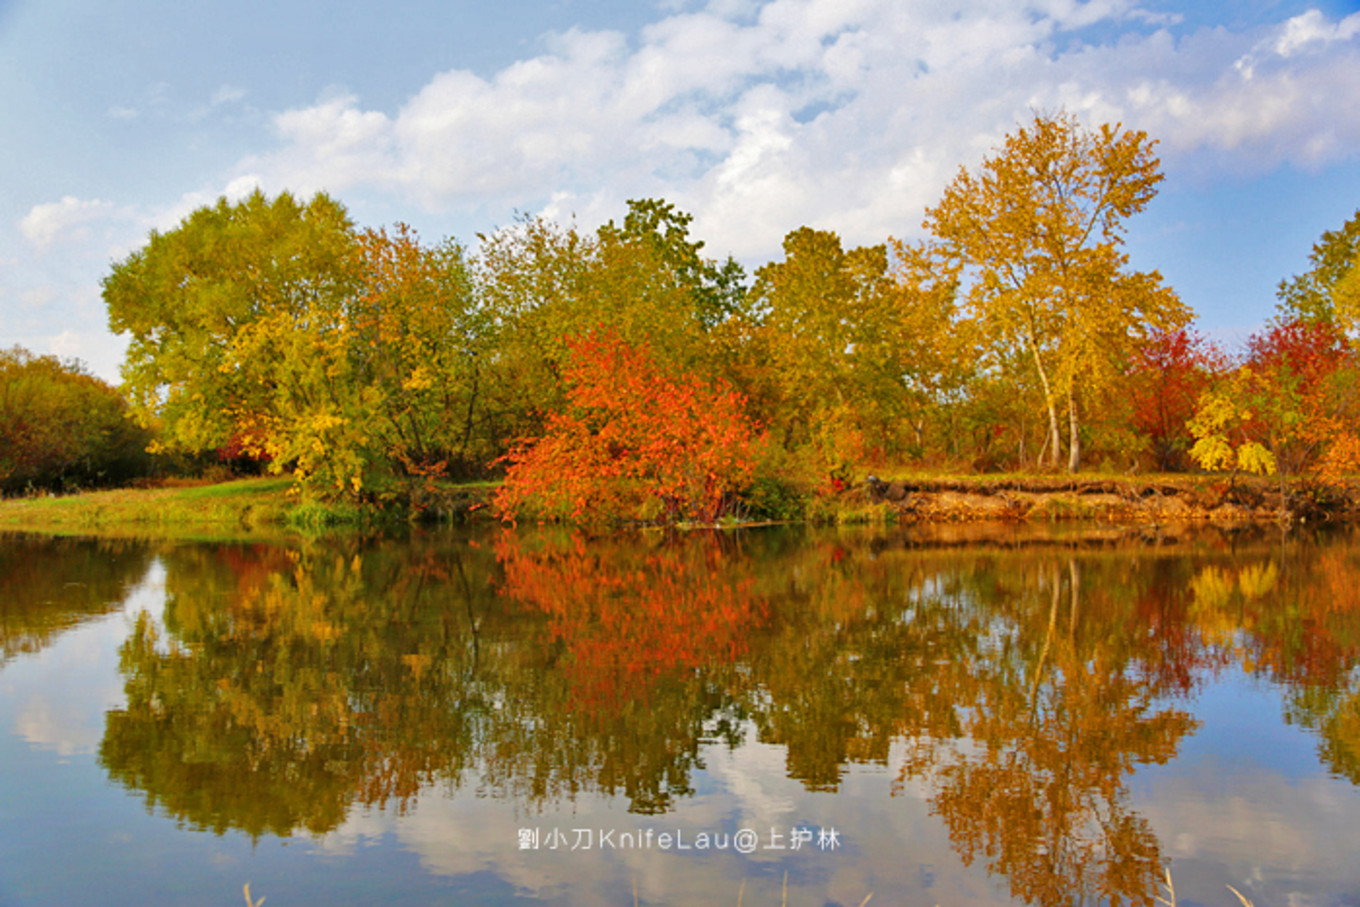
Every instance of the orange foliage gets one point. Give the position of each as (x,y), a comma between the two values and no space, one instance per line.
(626,617)
(632,430)
(1301,373)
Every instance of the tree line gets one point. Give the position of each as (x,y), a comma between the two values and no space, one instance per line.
(1015,336)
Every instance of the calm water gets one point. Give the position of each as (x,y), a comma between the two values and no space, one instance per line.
(488,718)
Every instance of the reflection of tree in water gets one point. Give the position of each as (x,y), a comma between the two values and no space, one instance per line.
(1292,614)
(645,634)
(1023,707)
(1063,708)
(49,585)
(295,683)
(1023,687)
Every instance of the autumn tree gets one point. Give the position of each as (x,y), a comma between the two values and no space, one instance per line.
(645,279)
(847,349)
(817,308)
(279,329)
(381,391)
(632,431)
(936,351)
(1167,375)
(1330,289)
(1040,225)
(1289,407)
(657,235)
(61,427)
(189,297)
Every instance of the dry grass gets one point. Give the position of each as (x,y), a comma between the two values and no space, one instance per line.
(1169,896)
(741,894)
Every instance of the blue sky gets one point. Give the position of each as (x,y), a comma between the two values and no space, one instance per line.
(757,117)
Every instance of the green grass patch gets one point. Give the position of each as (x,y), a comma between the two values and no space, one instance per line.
(244,505)
(239,488)
(239,507)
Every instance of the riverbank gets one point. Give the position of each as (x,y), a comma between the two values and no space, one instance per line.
(1127,500)
(264,506)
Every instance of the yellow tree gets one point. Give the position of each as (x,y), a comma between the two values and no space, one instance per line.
(372,393)
(1330,289)
(1040,226)
(274,325)
(935,353)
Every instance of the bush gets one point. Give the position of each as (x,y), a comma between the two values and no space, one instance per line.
(772,498)
(633,434)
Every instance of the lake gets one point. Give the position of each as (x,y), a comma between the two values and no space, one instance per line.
(951,715)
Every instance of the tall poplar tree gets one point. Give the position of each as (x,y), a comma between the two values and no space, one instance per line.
(1040,226)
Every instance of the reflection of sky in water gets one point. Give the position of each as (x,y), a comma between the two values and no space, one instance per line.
(58,696)
(1245,802)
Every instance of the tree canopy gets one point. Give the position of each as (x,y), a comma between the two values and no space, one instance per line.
(368,363)
(211,304)
(1330,289)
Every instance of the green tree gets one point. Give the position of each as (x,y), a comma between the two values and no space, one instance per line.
(192,298)
(350,357)
(826,327)
(1040,224)
(381,391)
(715,290)
(544,283)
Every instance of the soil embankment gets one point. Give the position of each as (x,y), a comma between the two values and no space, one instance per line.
(1193,499)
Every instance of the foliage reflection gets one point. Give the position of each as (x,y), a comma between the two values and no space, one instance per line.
(48,586)
(1018,686)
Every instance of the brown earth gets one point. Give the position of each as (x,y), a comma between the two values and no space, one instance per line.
(1193,499)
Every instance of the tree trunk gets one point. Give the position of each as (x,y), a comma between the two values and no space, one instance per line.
(1074,448)
(1054,439)
(1076,597)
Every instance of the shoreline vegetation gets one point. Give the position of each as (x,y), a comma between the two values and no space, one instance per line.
(264,507)
(618,377)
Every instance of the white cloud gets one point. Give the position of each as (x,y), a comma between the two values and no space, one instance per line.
(63,691)
(1312,29)
(100,351)
(46,222)
(227,94)
(846,114)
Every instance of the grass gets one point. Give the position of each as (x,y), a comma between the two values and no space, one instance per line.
(231,508)
(1168,897)
(241,505)
(263,505)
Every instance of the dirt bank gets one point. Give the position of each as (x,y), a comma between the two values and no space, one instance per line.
(1192,499)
